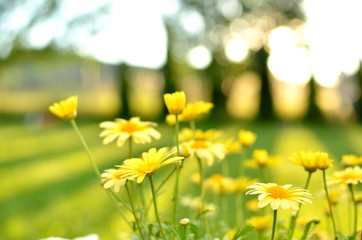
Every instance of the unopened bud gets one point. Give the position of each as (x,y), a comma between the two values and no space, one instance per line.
(184,222)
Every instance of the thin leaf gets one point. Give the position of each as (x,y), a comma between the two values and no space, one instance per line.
(242,231)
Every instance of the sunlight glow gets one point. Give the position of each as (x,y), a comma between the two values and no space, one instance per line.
(230,8)
(290,101)
(118,35)
(243,96)
(291,65)
(36,37)
(236,49)
(199,57)
(287,61)
(130,39)
(335,45)
(192,21)
(281,38)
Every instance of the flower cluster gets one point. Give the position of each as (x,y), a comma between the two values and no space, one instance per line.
(136,169)
(219,203)
(312,161)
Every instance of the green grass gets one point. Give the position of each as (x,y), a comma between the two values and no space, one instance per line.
(48,187)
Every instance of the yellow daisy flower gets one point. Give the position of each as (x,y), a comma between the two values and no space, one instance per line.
(261,159)
(246,138)
(232,146)
(305,159)
(261,156)
(65,109)
(260,223)
(311,161)
(196,110)
(277,196)
(218,183)
(350,175)
(139,168)
(205,150)
(187,134)
(113,178)
(192,111)
(350,160)
(323,160)
(121,129)
(175,102)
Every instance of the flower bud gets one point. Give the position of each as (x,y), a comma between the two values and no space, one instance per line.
(184,222)
(175,102)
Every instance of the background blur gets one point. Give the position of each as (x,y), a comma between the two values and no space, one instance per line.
(262,63)
(255,59)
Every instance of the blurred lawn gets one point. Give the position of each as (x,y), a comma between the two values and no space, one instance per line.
(48,187)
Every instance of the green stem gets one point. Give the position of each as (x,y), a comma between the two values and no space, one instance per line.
(350,187)
(178,168)
(274,223)
(114,199)
(177,130)
(202,195)
(202,189)
(308,228)
(184,233)
(294,218)
(141,194)
(308,180)
(160,186)
(111,195)
(166,179)
(329,204)
(175,195)
(133,211)
(155,206)
(85,145)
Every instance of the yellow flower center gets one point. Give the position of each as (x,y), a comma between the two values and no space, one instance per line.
(278,192)
(199,144)
(348,176)
(129,127)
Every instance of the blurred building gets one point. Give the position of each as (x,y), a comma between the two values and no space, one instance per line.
(31,81)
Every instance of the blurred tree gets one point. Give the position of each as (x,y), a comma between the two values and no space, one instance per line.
(314,113)
(195,23)
(266,106)
(20,19)
(124,88)
(358,103)
(214,19)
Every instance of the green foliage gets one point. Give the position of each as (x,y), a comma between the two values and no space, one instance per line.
(240,234)
(60,198)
